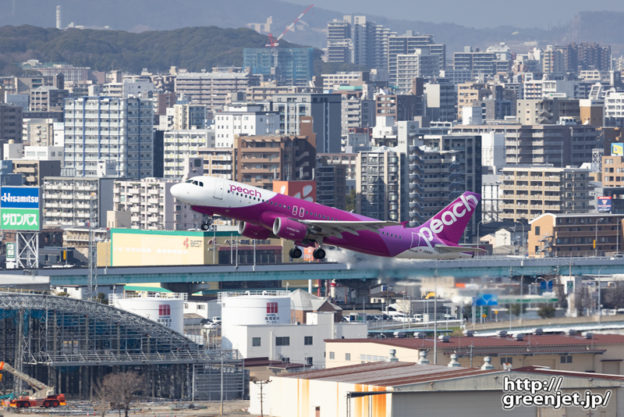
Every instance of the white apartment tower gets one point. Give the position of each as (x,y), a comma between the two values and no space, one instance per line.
(249,120)
(109,129)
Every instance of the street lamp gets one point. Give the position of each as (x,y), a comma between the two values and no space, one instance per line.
(596,238)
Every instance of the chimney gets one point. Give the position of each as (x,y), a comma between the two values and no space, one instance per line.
(422,360)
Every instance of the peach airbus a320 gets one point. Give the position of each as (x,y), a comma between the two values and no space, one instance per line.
(264,214)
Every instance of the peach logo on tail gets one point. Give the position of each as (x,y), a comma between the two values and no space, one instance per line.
(448,218)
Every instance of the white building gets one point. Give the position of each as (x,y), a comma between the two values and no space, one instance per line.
(250,120)
(418,64)
(151,205)
(72,201)
(179,145)
(614,108)
(259,325)
(104,128)
(43,153)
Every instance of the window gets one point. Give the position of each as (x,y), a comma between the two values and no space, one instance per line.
(255,341)
(566,359)
(332,355)
(282,341)
(347,356)
(537,230)
(307,340)
(504,360)
(309,360)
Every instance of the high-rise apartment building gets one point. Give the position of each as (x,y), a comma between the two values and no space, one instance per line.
(109,129)
(248,119)
(530,191)
(325,110)
(418,64)
(10,122)
(179,145)
(408,43)
(378,184)
(212,88)
(151,206)
(261,159)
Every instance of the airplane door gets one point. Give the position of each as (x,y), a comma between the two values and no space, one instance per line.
(218,190)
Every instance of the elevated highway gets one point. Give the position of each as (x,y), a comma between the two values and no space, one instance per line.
(486,267)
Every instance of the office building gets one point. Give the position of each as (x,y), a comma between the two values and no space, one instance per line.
(47,98)
(287,66)
(10,122)
(530,191)
(477,63)
(261,159)
(76,202)
(179,145)
(400,107)
(325,110)
(248,120)
(331,185)
(109,129)
(34,171)
(441,101)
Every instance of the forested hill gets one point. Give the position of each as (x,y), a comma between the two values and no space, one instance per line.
(193,48)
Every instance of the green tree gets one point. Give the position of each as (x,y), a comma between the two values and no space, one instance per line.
(350,201)
(515,309)
(546,311)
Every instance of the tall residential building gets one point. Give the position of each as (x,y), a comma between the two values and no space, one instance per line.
(356,111)
(179,145)
(357,40)
(72,201)
(418,64)
(287,66)
(109,129)
(212,88)
(10,122)
(250,120)
(479,63)
(47,98)
(261,159)
(530,191)
(38,132)
(218,162)
(407,44)
(400,106)
(553,60)
(151,206)
(325,110)
(378,184)
(546,111)
(331,188)
(614,108)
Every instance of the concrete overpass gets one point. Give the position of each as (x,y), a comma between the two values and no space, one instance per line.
(375,268)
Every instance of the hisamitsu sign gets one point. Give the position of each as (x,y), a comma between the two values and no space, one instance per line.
(19,197)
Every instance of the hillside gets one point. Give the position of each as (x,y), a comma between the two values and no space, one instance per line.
(192,48)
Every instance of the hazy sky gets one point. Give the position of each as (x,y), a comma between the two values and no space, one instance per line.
(477,13)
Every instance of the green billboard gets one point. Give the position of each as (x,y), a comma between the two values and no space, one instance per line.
(19,219)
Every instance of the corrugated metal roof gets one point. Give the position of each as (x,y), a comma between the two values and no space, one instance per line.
(493,344)
(388,373)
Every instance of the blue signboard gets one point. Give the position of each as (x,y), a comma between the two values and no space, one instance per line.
(486,300)
(604,204)
(19,197)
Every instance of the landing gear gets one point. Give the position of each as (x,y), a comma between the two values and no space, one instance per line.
(319,253)
(295,253)
(206,223)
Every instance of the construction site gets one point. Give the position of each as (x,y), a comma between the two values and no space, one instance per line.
(71,345)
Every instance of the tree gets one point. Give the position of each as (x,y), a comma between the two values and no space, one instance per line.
(350,201)
(117,391)
(546,311)
(515,309)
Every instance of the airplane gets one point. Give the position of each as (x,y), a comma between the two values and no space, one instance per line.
(264,214)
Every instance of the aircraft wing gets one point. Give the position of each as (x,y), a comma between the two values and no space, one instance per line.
(332,228)
(458,249)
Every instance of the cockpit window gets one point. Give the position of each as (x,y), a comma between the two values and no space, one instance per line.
(195,183)
(188,181)
(201,184)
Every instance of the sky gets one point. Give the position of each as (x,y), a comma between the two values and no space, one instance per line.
(479,13)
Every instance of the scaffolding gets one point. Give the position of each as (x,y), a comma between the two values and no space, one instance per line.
(71,344)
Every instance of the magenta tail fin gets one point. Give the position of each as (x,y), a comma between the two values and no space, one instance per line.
(450,223)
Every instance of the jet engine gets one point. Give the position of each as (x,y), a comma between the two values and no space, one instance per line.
(289,229)
(253,231)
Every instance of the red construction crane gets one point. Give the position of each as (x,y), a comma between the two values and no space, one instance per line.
(273,42)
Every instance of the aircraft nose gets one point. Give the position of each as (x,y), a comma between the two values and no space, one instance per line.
(179,191)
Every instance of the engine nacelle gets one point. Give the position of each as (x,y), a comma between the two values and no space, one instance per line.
(289,229)
(253,231)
